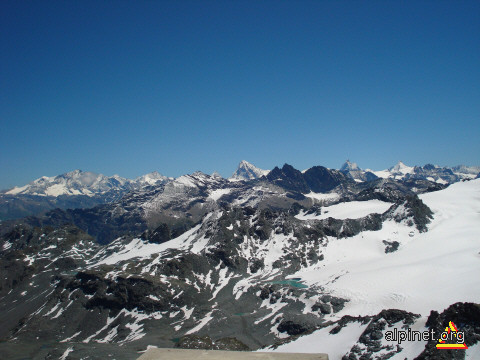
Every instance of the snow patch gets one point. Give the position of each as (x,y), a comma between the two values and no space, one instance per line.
(323,197)
(321,341)
(217,194)
(348,210)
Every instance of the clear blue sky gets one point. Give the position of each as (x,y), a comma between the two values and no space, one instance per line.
(130,87)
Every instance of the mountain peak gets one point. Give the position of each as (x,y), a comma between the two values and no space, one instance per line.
(348,166)
(400,167)
(247,171)
(153,178)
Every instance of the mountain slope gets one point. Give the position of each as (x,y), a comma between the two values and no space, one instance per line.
(428,271)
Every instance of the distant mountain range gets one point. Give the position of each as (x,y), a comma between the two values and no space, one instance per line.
(86,183)
(442,175)
(75,189)
(83,189)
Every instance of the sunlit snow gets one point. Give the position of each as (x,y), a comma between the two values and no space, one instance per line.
(348,210)
(430,271)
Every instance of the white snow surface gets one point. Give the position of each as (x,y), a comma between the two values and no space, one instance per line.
(401,168)
(323,197)
(247,171)
(142,249)
(65,354)
(410,349)
(217,194)
(429,271)
(348,210)
(473,352)
(321,341)
(152,178)
(397,171)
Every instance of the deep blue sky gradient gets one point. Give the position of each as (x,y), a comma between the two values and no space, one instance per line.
(129,87)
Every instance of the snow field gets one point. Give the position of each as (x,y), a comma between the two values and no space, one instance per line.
(348,210)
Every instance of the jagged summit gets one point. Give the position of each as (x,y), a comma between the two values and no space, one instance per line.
(400,167)
(352,170)
(247,171)
(348,166)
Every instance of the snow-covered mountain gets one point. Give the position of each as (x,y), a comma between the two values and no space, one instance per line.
(86,183)
(150,179)
(204,262)
(402,172)
(434,173)
(349,166)
(247,171)
(353,171)
(75,189)
(76,182)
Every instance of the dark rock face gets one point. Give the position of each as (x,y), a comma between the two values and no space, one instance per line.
(322,307)
(206,343)
(317,179)
(230,343)
(383,189)
(131,293)
(370,346)
(292,328)
(160,235)
(97,221)
(370,342)
(423,186)
(13,272)
(391,246)
(337,303)
(18,206)
(413,210)
(345,320)
(320,179)
(350,227)
(195,342)
(466,316)
(288,178)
